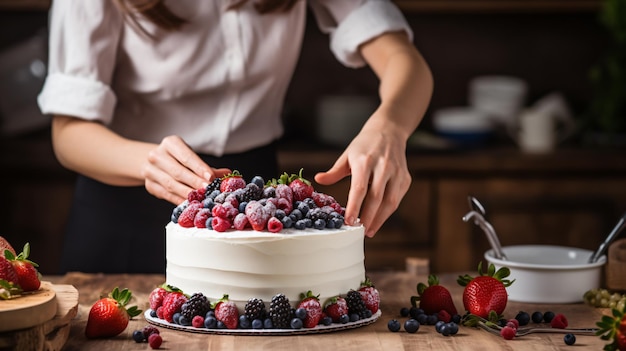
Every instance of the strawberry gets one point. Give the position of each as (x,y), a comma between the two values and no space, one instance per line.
(226,311)
(613,327)
(335,308)
(109,316)
(7,271)
(157,295)
(188,215)
(433,297)
(5,245)
(311,303)
(27,274)
(486,292)
(258,215)
(300,187)
(172,303)
(370,295)
(232,182)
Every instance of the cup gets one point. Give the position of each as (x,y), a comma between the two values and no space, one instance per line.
(501,97)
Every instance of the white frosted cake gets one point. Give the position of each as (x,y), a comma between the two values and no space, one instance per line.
(258,239)
(247,264)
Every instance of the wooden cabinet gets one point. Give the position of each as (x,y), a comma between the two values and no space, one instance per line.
(570,197)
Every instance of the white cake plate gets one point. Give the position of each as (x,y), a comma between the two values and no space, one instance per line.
(316,330)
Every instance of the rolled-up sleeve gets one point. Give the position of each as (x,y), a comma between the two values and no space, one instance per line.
(84,37)
(351,23)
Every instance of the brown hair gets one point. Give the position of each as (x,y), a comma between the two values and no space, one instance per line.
(158,13)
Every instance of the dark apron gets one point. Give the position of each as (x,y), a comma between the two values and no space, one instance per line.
(122,229)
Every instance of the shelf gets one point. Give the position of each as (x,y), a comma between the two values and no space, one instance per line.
(25,5)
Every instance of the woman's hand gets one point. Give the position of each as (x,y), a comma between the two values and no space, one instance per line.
(172,170)
(380,176)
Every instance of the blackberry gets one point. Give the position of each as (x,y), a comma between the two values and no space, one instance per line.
(280,311)
(215,185)
(251,192)
(197,305)
(255,309)
(356,304)
(318,213)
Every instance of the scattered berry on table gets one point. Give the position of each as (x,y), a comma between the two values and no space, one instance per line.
(444,316)
(514,323)
(439,325)
(433,297)
(508,333)
(411,325)
(570,339)
(149,330)
(393,325)
(547,316)
(450,329)
(138,336)
(537,317)
(155,341)
(485,292)
(523,318)
(559,321)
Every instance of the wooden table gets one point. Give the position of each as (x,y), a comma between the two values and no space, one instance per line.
(395,288)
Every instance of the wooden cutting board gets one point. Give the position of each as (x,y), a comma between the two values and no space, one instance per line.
(28,310)
(38,321)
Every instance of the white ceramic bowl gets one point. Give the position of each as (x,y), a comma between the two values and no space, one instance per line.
(549,274)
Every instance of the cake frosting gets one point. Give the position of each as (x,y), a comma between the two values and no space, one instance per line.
(260,264)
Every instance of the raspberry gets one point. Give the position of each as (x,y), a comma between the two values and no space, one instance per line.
(220,224)
(197,322)
(508,333)
(559,321)
(200,220)
(225,210)
(155,341)
(196,195)
(149,330)
(274,225)
(322,199)
(514,322)
(444,316)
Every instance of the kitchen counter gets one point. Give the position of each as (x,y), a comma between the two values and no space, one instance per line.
(395,289)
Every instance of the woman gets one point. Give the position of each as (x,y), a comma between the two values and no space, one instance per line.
(151,99)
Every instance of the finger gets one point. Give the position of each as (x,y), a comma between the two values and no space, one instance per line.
(163,185)
(359,184)
(338,171)
(371,207)
(179,150)
(171,171)
(395,190)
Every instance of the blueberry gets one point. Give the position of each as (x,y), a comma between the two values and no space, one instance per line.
(453,328)
(138,336)
(404,312)
(308,222)
(367,314)
(210,322)
(209,223)
(354,317)
(214,194)
(422,318)
(267,324)
(153,314)
(279,213)
(244,322)
(432,319)
(344,319)
(415,311)
(326,321)
(259,181)
(393,325)
(570,339)
(319,224)
(242,207)
(287,222)
(337,222)
(537,317)
(303,207)
(257,324)
(296,323)
(184,321)
(176,317)
(439,325)
(456,318)
(330,224)
(411,325)
(208,203)
(221,325)
(300,225)
(523,318)
(300,313)
(296,215)
(502,322)
(547,316)
(210,313)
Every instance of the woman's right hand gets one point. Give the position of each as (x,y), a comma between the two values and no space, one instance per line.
(173,170)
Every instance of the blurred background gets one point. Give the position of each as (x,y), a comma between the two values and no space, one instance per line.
(528,115)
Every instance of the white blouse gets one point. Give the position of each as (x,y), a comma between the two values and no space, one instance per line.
(218,82)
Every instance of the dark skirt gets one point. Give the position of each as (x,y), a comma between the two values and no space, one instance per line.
(122,229)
